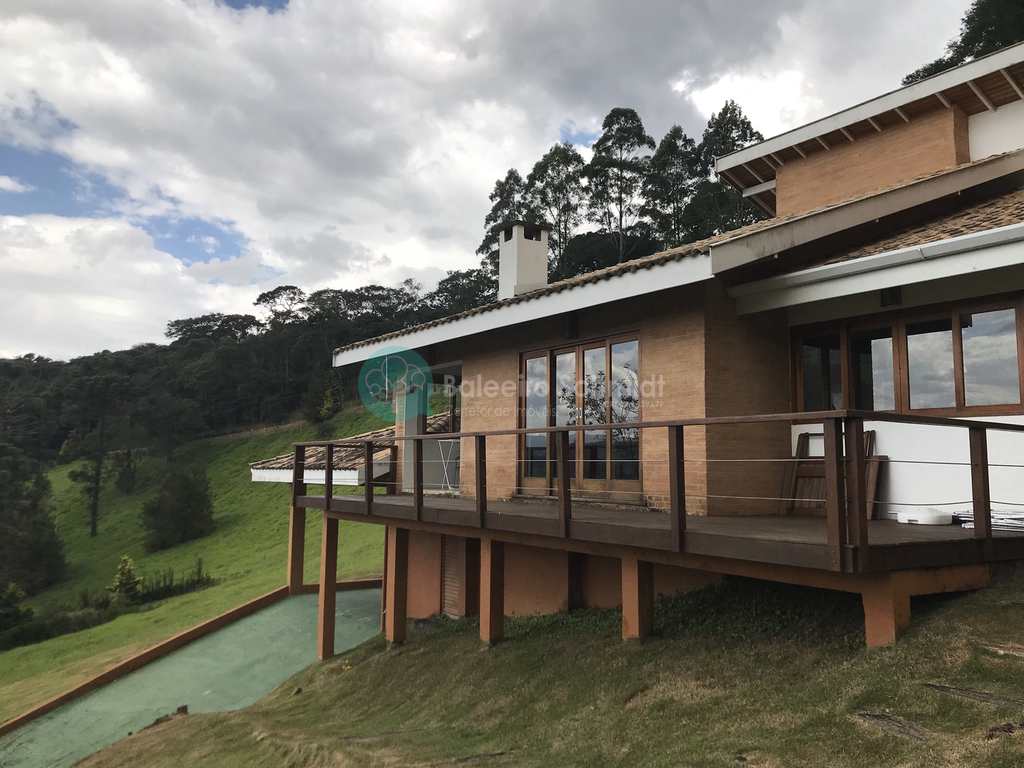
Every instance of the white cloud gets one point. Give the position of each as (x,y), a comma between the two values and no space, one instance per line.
(350,143)
(10,184)
(76,285)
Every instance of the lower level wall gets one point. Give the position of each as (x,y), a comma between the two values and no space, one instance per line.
(538,581)
(424,592)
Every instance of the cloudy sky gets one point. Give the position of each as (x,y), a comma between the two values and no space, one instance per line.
(165,158)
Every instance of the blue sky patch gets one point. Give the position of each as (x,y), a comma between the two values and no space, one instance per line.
(57,186)
(571,133)
(190,239)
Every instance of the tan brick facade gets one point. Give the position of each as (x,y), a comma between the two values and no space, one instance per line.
(928,143)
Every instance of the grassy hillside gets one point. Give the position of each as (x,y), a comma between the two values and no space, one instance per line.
(743,674)
(246,554)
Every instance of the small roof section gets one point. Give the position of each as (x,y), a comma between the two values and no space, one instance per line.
(347,459)
(983,84)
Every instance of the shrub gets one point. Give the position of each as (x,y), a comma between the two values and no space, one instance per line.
(12,612)
(182,511)
(127,585)
(165,584)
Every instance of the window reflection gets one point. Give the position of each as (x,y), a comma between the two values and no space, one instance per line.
(822,373)
(625,408)
(873,370)
(595,449)
(930,363)
(536,451)
(565,402)
(990,357)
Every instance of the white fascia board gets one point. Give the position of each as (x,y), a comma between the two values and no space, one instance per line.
(991,249)
(316,476)
(682,271)
(877,106)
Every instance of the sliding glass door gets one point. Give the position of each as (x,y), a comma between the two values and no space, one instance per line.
(586,385)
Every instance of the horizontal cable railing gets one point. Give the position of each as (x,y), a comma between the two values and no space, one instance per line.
(842,469)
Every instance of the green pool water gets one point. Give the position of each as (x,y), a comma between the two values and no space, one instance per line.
(228,669)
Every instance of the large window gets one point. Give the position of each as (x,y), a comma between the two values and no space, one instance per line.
(874,381)
(990,357)
(957,359)
(930,364)
(822,380)
(591,384)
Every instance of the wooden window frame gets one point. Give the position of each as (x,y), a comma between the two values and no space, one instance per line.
(897,321)
(591,487)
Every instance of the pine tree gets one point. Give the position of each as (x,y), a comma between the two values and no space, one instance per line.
(127,585)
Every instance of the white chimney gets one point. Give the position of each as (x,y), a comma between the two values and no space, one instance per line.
(522,258)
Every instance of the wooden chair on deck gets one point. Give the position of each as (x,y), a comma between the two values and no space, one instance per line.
(804,479)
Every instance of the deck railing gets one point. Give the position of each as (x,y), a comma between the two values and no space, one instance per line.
(845,499)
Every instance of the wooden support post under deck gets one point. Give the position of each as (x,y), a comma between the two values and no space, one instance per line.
(328,588)
(637,598)
(676,487)
(492,590)
(397,584)
(296,548)
(886,611)
(980,484)
(835,501)
(328,475)
(856,503)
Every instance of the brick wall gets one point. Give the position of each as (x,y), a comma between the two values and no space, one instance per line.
(928,143)
(748,373)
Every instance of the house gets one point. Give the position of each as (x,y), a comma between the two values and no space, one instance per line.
(791,401)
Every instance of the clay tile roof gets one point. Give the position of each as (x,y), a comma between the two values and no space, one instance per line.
(351,458)
(992,213)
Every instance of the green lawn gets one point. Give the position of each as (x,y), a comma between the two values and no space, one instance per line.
(742,674)
(246,554)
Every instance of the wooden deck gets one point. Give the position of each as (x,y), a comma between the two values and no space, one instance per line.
(780,540)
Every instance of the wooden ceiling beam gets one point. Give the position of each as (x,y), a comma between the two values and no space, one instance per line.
(847,134)
(942,98)
(874,124)
(823,142)
(982,96)
(902,114)
(1013,83)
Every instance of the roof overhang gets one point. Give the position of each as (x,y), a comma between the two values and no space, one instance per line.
(792,233)
(953,257)
(685,270)
(984,84)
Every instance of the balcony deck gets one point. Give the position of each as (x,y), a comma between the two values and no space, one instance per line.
(780,540)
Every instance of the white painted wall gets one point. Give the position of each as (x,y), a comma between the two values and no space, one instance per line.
(938,483)
(992,133)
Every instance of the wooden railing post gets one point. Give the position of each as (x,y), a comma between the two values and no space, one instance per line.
(982,499)
(835,498)
(328,476)
(299,473)
(855,477)
(368,470)
(676,486)
(480,442)
(417,477)
(564,493)
(392,488)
